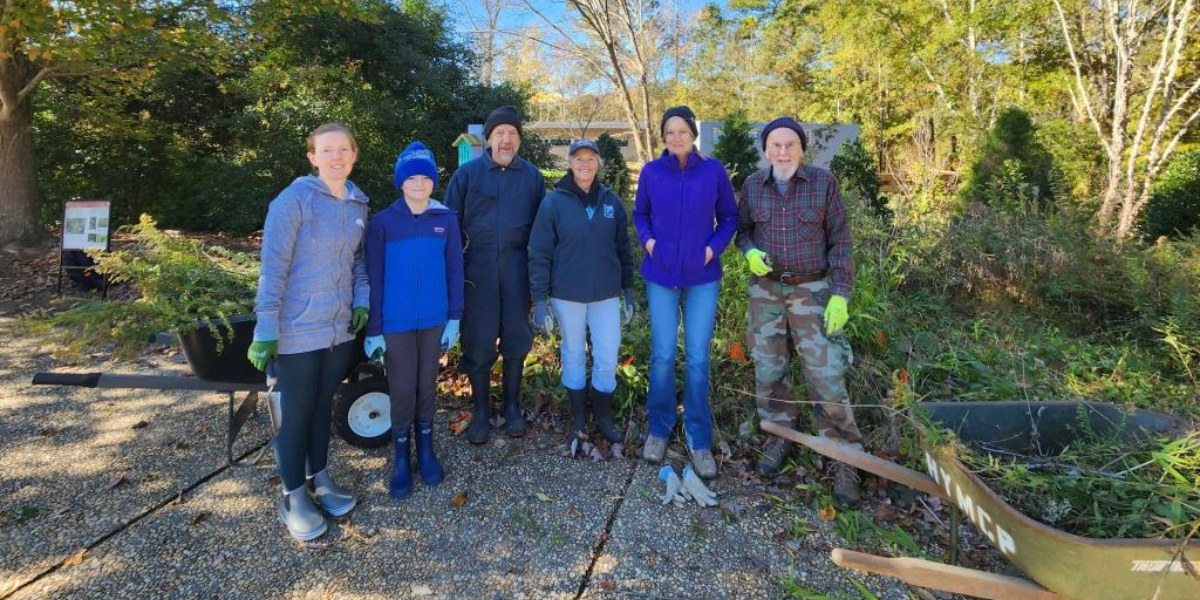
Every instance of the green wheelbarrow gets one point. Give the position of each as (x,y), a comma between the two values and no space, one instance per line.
(1064,566)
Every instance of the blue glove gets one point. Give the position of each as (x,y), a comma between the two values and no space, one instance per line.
(449,334)
(543,321)
(375,347)
(628,309)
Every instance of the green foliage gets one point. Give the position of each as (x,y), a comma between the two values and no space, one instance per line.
(1013,168)
(268,74)
(857,174)
(616,173)
(180,283)
(1174,209)
(1103,487)
(536,149)
(736,148)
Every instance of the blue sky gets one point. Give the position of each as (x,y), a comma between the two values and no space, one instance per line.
(520,16)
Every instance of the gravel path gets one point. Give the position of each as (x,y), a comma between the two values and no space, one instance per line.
(103,470)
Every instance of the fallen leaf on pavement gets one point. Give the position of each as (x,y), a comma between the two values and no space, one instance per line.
(827,513)
(118,481)
(49,431)
(545,498)
(273,480)
(608,585)
(460,422)
(199,518)
(140,425)
(75,558)
(422,590)
(459,499)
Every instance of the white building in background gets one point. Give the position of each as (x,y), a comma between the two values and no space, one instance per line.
(824,140)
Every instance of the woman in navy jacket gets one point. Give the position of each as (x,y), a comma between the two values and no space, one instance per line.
(581,268)
(685,214)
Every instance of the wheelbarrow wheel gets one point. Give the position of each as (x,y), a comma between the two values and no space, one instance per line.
(362,413)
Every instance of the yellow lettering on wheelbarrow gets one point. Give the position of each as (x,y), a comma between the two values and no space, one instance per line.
(978,515)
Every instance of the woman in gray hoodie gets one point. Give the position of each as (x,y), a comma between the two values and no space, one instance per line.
(312,299)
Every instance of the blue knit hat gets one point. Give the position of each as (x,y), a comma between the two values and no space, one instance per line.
(416,159)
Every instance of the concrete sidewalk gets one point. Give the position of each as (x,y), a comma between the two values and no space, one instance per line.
(82,471)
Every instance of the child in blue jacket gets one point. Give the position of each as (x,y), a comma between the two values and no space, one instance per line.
(415,268)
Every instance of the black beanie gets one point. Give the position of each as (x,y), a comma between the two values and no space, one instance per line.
(787,122)
(505,115)
(682,112)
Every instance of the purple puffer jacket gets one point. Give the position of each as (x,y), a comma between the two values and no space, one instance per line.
(684,210)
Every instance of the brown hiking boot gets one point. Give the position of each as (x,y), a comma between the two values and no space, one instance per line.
(845,484)
(774,452)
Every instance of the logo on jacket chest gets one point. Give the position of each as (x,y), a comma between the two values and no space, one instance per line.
(439,229)
(608,211)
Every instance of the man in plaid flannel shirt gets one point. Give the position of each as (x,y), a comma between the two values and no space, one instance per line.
(792,229)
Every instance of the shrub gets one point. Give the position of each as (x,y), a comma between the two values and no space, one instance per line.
(858,175)
(736,148)
(1013,168)
(179,283)
(616,174)
(1174,209)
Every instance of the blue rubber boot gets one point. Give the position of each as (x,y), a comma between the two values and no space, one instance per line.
(401,484)
(427,462)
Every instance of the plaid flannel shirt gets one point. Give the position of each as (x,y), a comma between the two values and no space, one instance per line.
(803,231)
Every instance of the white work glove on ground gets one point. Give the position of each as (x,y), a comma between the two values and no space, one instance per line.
(674,485)
(694,488)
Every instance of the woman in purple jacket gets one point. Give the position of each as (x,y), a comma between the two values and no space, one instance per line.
(685,214)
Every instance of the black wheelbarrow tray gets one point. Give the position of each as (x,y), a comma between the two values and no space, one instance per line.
(360,412)
(1064,566)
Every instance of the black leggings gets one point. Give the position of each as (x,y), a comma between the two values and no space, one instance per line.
(307,382)
(412,366)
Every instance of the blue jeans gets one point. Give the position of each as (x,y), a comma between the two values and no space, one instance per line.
(699,314)
(575,321)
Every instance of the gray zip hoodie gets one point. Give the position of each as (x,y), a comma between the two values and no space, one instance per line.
(312,267)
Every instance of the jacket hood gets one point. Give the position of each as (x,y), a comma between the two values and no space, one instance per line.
(434,206)
(567,184)
(314,183)
(668,160)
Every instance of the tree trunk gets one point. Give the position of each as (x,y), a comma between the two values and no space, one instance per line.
(18,179)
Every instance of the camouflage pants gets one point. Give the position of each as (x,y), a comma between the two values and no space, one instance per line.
(775,311)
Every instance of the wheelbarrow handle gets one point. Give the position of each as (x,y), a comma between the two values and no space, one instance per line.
(853,456)
(947,578)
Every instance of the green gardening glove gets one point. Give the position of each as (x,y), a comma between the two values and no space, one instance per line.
(759,262)
(260,352)
(836,315)
(358,319)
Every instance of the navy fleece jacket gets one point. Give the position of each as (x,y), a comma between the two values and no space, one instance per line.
(415,268)
(577,258)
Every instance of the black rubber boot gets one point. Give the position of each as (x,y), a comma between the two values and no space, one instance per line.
(578,403)
(602,409)
(514,421)
(477,432)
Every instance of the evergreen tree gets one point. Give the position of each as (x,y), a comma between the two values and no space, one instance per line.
(616,174)
(736,148)
(857,174)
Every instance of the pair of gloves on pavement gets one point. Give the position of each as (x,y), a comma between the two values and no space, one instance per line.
(690,487)
(262,351)
(543,317)
(375,346)
(836,311)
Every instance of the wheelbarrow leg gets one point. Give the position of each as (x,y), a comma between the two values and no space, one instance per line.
(237,419)
(946,578)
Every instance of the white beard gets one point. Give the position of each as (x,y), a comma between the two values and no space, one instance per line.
(783,175)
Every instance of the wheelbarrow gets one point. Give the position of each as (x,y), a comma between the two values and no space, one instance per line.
(362,415)
(1064,566)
